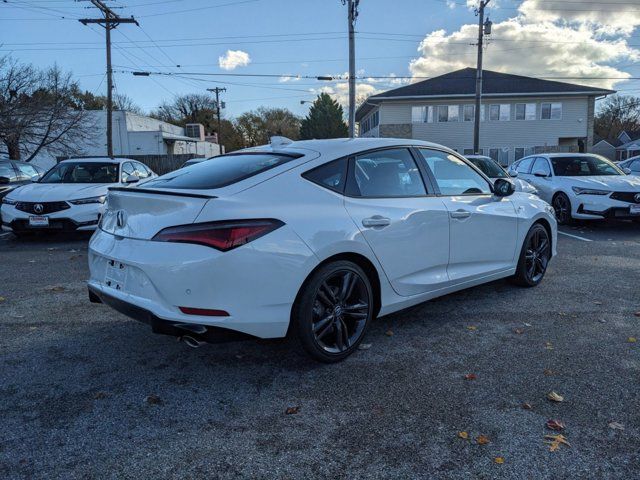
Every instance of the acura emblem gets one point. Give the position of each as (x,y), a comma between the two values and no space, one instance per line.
(38,208)
(121,218)
(637,197)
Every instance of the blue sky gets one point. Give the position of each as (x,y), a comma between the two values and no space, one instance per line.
(308,37)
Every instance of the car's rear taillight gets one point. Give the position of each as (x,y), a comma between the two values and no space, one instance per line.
(224,235)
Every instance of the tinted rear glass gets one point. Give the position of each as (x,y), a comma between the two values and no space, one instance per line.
(221,171)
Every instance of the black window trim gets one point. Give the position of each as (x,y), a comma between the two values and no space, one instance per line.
(432,177)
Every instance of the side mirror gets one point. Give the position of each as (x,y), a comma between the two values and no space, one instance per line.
(132,179)
(4,180)
(540,173)
(625,170)
(512,173)
(503,187)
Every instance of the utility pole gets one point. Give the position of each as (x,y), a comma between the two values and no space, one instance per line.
(352,5)
(217,91)
(109,22)
(481,31)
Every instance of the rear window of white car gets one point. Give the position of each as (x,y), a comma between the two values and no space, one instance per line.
(221,171)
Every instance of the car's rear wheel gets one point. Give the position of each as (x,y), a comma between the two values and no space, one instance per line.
(333,311)
(534,257)
(562,207)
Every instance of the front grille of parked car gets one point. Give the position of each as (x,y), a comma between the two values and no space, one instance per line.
(625,196)
(47,207)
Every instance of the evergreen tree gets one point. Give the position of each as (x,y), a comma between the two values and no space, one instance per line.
(325,120)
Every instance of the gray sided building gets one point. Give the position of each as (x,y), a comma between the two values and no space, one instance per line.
(519,115)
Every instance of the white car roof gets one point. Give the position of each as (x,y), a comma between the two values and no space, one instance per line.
(339,147)
(99,159)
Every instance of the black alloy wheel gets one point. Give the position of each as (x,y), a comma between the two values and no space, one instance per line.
(334,311)
(562,207)
(534,257)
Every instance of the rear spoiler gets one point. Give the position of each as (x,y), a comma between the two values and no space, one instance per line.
(160,192)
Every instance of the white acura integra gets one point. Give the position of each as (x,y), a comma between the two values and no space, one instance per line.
(315,238)
(582,186)
(70,196)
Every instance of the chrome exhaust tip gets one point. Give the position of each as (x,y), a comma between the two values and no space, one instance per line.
(190,341)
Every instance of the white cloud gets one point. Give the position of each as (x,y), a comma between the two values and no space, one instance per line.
(340,92)
(234,59)
(289,78)
(540,43)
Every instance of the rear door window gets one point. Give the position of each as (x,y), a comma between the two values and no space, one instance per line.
(221,171)
(541,165)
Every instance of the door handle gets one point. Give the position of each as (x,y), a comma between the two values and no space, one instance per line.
(460,214)
(376,221)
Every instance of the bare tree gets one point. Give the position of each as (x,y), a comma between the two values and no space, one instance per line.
(38,113)
(617,114)
(186,109)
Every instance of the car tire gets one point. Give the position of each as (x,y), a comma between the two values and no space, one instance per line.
(562,207)
(333,311)
(534,257)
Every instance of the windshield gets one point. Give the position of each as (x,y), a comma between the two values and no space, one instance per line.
(220,171)
(82,172)
(489,167)
(583,166)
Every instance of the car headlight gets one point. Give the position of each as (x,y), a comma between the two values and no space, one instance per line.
(7,201)
(589,191)
(84,201)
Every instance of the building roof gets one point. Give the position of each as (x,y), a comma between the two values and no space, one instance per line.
(462,83)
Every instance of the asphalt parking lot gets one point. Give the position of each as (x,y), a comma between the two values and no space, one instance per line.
(87,393)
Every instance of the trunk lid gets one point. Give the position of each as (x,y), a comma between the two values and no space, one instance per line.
(141,213)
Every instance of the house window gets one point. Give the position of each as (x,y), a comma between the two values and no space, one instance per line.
(500,112)
(494,153)
(468,113)
(503,156)
(422,114)
(525,111)
(521,152)
(448,113)
(551,111)
(467,151)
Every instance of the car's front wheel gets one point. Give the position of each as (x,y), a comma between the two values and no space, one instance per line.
(534,257)
(333,311)
(562,207)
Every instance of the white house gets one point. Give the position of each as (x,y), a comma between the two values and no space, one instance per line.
(135,134)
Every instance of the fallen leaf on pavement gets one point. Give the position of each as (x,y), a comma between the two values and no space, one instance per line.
(364,346)
(2,299)
(527,406)
(292,410)
(549,346)
(55,288)
(518,331)
(463,435)
(482,440)
(389,333)
(548,372)
(470,376)
(632,339)
(616,426)
(554,397)
(100,395)
(637,314)
(598,303)
(153,400)
(555,425)
(472,327)
(554,441)
(499,460)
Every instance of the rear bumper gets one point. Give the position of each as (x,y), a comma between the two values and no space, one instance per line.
(166,327)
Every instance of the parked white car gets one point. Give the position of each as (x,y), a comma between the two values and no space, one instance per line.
(70,196)
(494,170)
(584,186)
(315,238)
(631,166)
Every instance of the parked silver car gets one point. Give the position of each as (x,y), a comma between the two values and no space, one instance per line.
(493,170)
(631,166)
